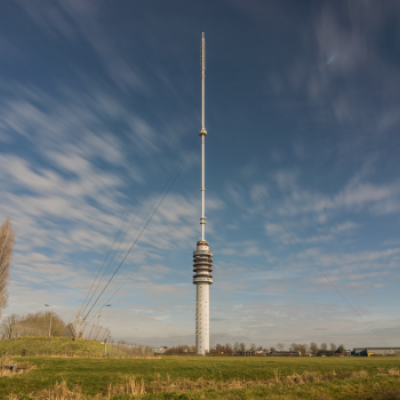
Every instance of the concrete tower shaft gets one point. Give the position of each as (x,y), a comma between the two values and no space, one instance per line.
(202,266)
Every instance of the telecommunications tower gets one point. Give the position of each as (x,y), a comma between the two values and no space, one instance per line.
(202,257)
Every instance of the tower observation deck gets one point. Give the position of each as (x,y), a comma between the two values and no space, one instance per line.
(202,256)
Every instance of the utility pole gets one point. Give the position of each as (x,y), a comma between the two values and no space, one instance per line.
(105,343)
(77,325)
(105,334)
(51,316)
(90,333)
(98,319)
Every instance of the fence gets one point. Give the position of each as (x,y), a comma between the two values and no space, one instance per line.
(94,332)
(69,347)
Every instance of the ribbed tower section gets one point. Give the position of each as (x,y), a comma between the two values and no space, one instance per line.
(202,257)
(202,266)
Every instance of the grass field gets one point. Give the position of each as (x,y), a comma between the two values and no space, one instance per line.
(205,378)
(56,346)
(41,346)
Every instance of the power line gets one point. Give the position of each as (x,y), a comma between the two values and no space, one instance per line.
(127,230)
(142,261)
(115,235)
(86,302)
(176,172)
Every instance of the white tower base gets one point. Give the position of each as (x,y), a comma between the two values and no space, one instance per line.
(202,266)
(203,318)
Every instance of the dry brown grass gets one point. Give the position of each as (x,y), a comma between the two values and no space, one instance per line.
(359,374)
(131,386)
(100,357)
(306,378)
(134,387)
(5,371)
(61,391)
(393,371)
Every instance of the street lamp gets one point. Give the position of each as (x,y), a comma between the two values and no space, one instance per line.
(51,316)
(105,341)
(98,319)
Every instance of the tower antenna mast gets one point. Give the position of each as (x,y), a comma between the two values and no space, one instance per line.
(202,257)
(203,134)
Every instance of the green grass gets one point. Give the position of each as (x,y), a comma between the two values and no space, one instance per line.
(95,376)
(376,388)
(60,346)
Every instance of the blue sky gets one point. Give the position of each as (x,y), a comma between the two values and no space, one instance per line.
(100,102)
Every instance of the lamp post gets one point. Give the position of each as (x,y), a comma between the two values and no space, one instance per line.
(105,342)
(98,319)
(51,316)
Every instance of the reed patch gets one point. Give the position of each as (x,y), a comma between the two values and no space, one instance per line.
(133,387)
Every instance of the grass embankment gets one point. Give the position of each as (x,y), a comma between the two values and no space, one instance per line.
(56,346)
(208,378)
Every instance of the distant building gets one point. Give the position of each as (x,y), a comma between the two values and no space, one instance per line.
(326,353)
(375,351)
(161,350)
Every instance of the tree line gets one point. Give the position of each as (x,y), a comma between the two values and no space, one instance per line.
(37,324)
(228,349)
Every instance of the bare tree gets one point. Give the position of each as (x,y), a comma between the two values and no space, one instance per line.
(323,347)
(302,348)
(7,240)
(7,326)
(313,347)
(294,347)
(242,347)
(219,348)
(280,346)
(272,349)
(41,322)
(228,348)
(333,347)
(236,347)
(341,349)
(253,347)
